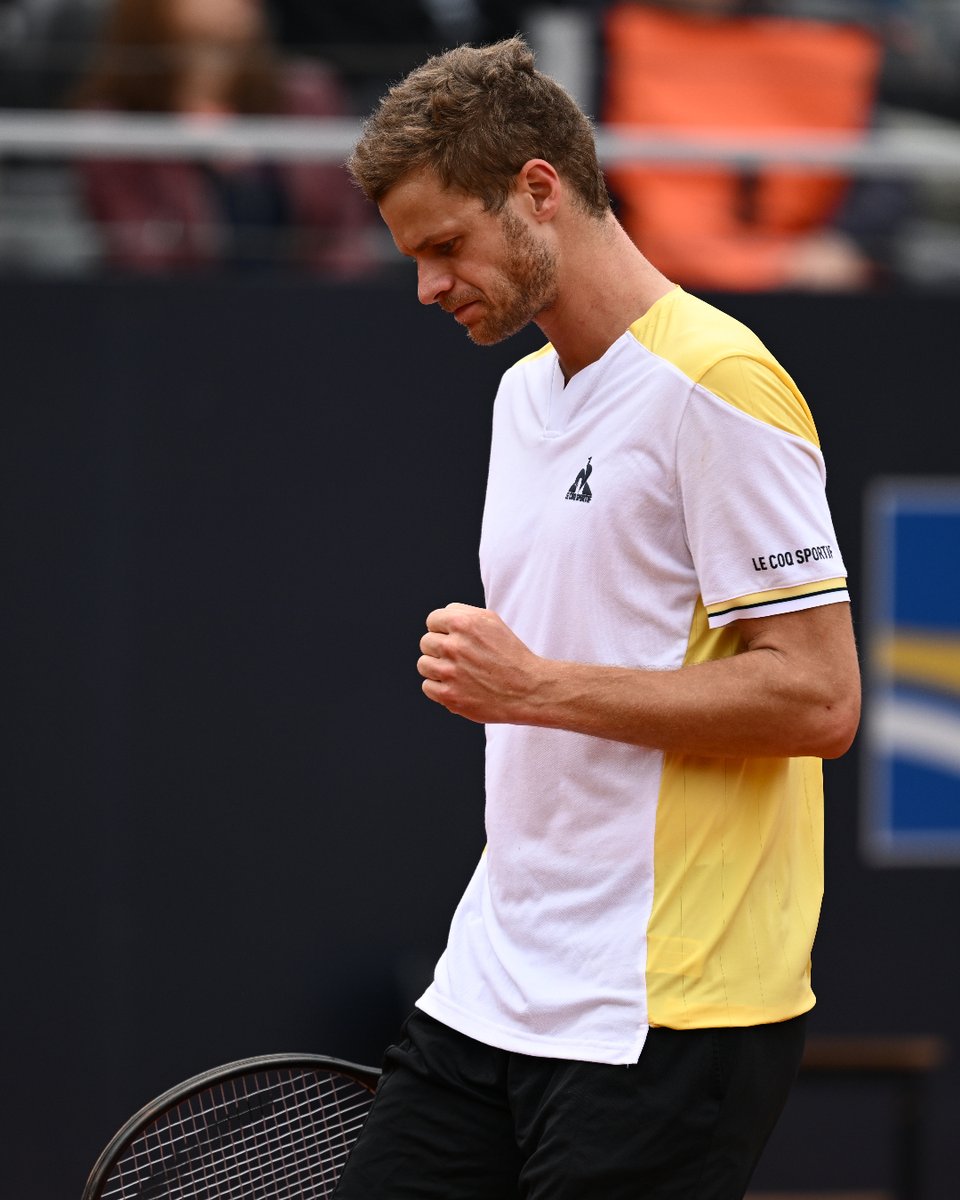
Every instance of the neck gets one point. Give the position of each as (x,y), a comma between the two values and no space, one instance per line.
(604,285)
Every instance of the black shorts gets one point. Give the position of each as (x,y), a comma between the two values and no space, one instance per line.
(457,1120)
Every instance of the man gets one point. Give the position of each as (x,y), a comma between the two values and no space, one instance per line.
(666,656)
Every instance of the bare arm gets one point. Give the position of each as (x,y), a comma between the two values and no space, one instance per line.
(793,690)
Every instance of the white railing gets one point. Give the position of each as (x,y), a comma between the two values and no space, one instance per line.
(932,152)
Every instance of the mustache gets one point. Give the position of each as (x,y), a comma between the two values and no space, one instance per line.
(451,304)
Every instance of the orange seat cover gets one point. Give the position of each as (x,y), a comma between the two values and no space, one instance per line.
(731,75)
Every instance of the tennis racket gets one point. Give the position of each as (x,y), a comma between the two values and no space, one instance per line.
(277,1127)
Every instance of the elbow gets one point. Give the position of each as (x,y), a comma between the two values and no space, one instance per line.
(822,722)
(838,725)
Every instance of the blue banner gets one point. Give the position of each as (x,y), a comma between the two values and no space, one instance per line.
(911,736)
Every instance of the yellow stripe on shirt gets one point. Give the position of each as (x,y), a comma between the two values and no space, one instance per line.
(757,600)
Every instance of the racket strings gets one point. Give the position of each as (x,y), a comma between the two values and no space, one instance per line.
(266,1136)
(184,1127)
(262,1158)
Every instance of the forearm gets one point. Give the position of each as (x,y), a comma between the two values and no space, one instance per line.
(751,705)
(793,689)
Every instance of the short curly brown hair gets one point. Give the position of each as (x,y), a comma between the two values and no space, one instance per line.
(475,115)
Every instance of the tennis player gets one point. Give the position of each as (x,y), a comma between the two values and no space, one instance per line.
(666,656)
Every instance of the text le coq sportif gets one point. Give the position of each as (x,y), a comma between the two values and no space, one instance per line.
(789,558)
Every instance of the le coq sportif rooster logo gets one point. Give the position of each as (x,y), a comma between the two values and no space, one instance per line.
(580,489)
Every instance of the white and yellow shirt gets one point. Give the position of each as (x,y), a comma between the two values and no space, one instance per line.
(632,517)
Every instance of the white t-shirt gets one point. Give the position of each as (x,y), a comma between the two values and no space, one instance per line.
(632,516)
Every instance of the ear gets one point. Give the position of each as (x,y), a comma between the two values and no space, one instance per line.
(539,187)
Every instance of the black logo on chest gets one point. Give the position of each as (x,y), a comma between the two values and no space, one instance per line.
(580,489)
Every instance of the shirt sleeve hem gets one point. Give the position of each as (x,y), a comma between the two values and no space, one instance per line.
(768,604)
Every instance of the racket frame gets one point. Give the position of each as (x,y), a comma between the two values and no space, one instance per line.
(113,1151)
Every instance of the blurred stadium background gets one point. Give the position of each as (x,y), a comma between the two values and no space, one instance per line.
(233,826)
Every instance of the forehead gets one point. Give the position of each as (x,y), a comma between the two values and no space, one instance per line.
(419,210)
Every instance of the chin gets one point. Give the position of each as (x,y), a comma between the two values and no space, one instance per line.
(487,333)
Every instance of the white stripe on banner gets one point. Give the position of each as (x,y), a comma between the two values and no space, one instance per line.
(921,732)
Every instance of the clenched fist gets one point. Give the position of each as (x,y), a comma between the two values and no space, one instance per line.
(476,667)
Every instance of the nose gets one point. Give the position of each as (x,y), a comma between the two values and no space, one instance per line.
(433,281)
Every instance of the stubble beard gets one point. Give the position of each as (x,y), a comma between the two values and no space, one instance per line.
(528,287)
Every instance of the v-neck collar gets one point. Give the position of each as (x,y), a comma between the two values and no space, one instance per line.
(566,399)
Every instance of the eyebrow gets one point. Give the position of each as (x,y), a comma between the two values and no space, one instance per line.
(433,239)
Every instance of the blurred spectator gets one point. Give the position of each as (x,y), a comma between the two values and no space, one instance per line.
(210,59)
(732,68)
(376,42)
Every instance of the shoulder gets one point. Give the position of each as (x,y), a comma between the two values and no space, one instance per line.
(532,367)
(693,334)
(725,358)
(535,357)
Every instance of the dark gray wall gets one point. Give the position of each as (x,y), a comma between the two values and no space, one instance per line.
(233,825)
